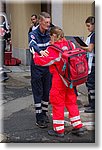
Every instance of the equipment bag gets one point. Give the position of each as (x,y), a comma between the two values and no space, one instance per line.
(75,68)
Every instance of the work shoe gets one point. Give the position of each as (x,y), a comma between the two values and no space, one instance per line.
(90,110)
(45,118)
(41,124)
(88,105)
(3,76)
(79,131)
(54,133)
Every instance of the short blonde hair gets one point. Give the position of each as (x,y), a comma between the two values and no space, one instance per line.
(58,31)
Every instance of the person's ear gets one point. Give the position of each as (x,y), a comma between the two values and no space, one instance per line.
(39,21)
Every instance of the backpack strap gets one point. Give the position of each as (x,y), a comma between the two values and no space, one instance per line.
(63,79)
(56,48)
(69,45)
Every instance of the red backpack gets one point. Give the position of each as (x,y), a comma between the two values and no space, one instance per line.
(75,68)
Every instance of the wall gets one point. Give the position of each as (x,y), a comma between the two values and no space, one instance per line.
(20,22)
(69,16)
(57,13)
(74,16)
(19,16)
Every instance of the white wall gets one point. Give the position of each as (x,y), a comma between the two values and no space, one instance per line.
(57,13)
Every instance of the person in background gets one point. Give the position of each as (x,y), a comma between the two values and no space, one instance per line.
(34,23)
(60,94)
(90,49)
(5,36)
(40,76)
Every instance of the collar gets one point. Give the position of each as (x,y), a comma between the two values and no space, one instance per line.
(91,33)
(46,32)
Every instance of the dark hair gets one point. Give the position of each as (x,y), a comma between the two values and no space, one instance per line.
(44,15)
(90,20)
(34,15)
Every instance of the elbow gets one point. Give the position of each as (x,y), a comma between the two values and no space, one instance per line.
(90,50)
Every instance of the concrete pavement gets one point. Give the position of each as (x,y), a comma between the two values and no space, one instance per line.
(18,114)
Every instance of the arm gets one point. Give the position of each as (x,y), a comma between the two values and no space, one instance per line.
(33,43)
(91,46)
(53,57)
(34,47)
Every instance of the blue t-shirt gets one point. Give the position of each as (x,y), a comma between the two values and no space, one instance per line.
(92,39)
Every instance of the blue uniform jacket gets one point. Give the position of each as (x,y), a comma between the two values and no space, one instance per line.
(38,41)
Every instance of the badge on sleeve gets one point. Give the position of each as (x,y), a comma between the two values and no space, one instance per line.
(32,36)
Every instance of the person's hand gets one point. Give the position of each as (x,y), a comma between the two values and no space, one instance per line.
(44,53)
(78,44)
(84,48)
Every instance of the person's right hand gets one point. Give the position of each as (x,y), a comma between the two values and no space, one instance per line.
(44,53)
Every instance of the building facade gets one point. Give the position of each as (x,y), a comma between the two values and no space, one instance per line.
(70,15)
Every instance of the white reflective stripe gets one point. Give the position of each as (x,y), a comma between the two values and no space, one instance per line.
(84,123)
(59,128)
(43,45)
(38,105)
(52,61)
(65,48)
(2,25)
(92,97)
(38,111)
(76,123)
(58,121)
(73,45)
(44,108)
(32,50)
(75,118)
(32,41)
(45,103)
(64,81)
(92,91)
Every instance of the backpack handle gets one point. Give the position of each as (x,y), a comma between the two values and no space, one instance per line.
(59,49)
(56,48)
(70,48)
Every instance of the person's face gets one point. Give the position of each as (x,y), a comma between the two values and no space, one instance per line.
(90,27)
(53,38)
(44,23)
(33,19)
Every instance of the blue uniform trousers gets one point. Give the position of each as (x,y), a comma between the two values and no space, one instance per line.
(41,83)
(91,87)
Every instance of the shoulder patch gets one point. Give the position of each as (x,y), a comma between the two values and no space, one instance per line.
(32,36)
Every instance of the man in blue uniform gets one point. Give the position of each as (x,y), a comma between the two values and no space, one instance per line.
(40,76)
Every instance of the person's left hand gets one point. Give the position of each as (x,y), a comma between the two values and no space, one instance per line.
(44,53)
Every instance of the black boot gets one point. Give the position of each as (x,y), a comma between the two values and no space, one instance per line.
(79,131)
(45,117)
(40,122)
(54,133)
(90,110)
(3,76)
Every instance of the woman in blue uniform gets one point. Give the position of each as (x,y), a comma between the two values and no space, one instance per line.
(90,41)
